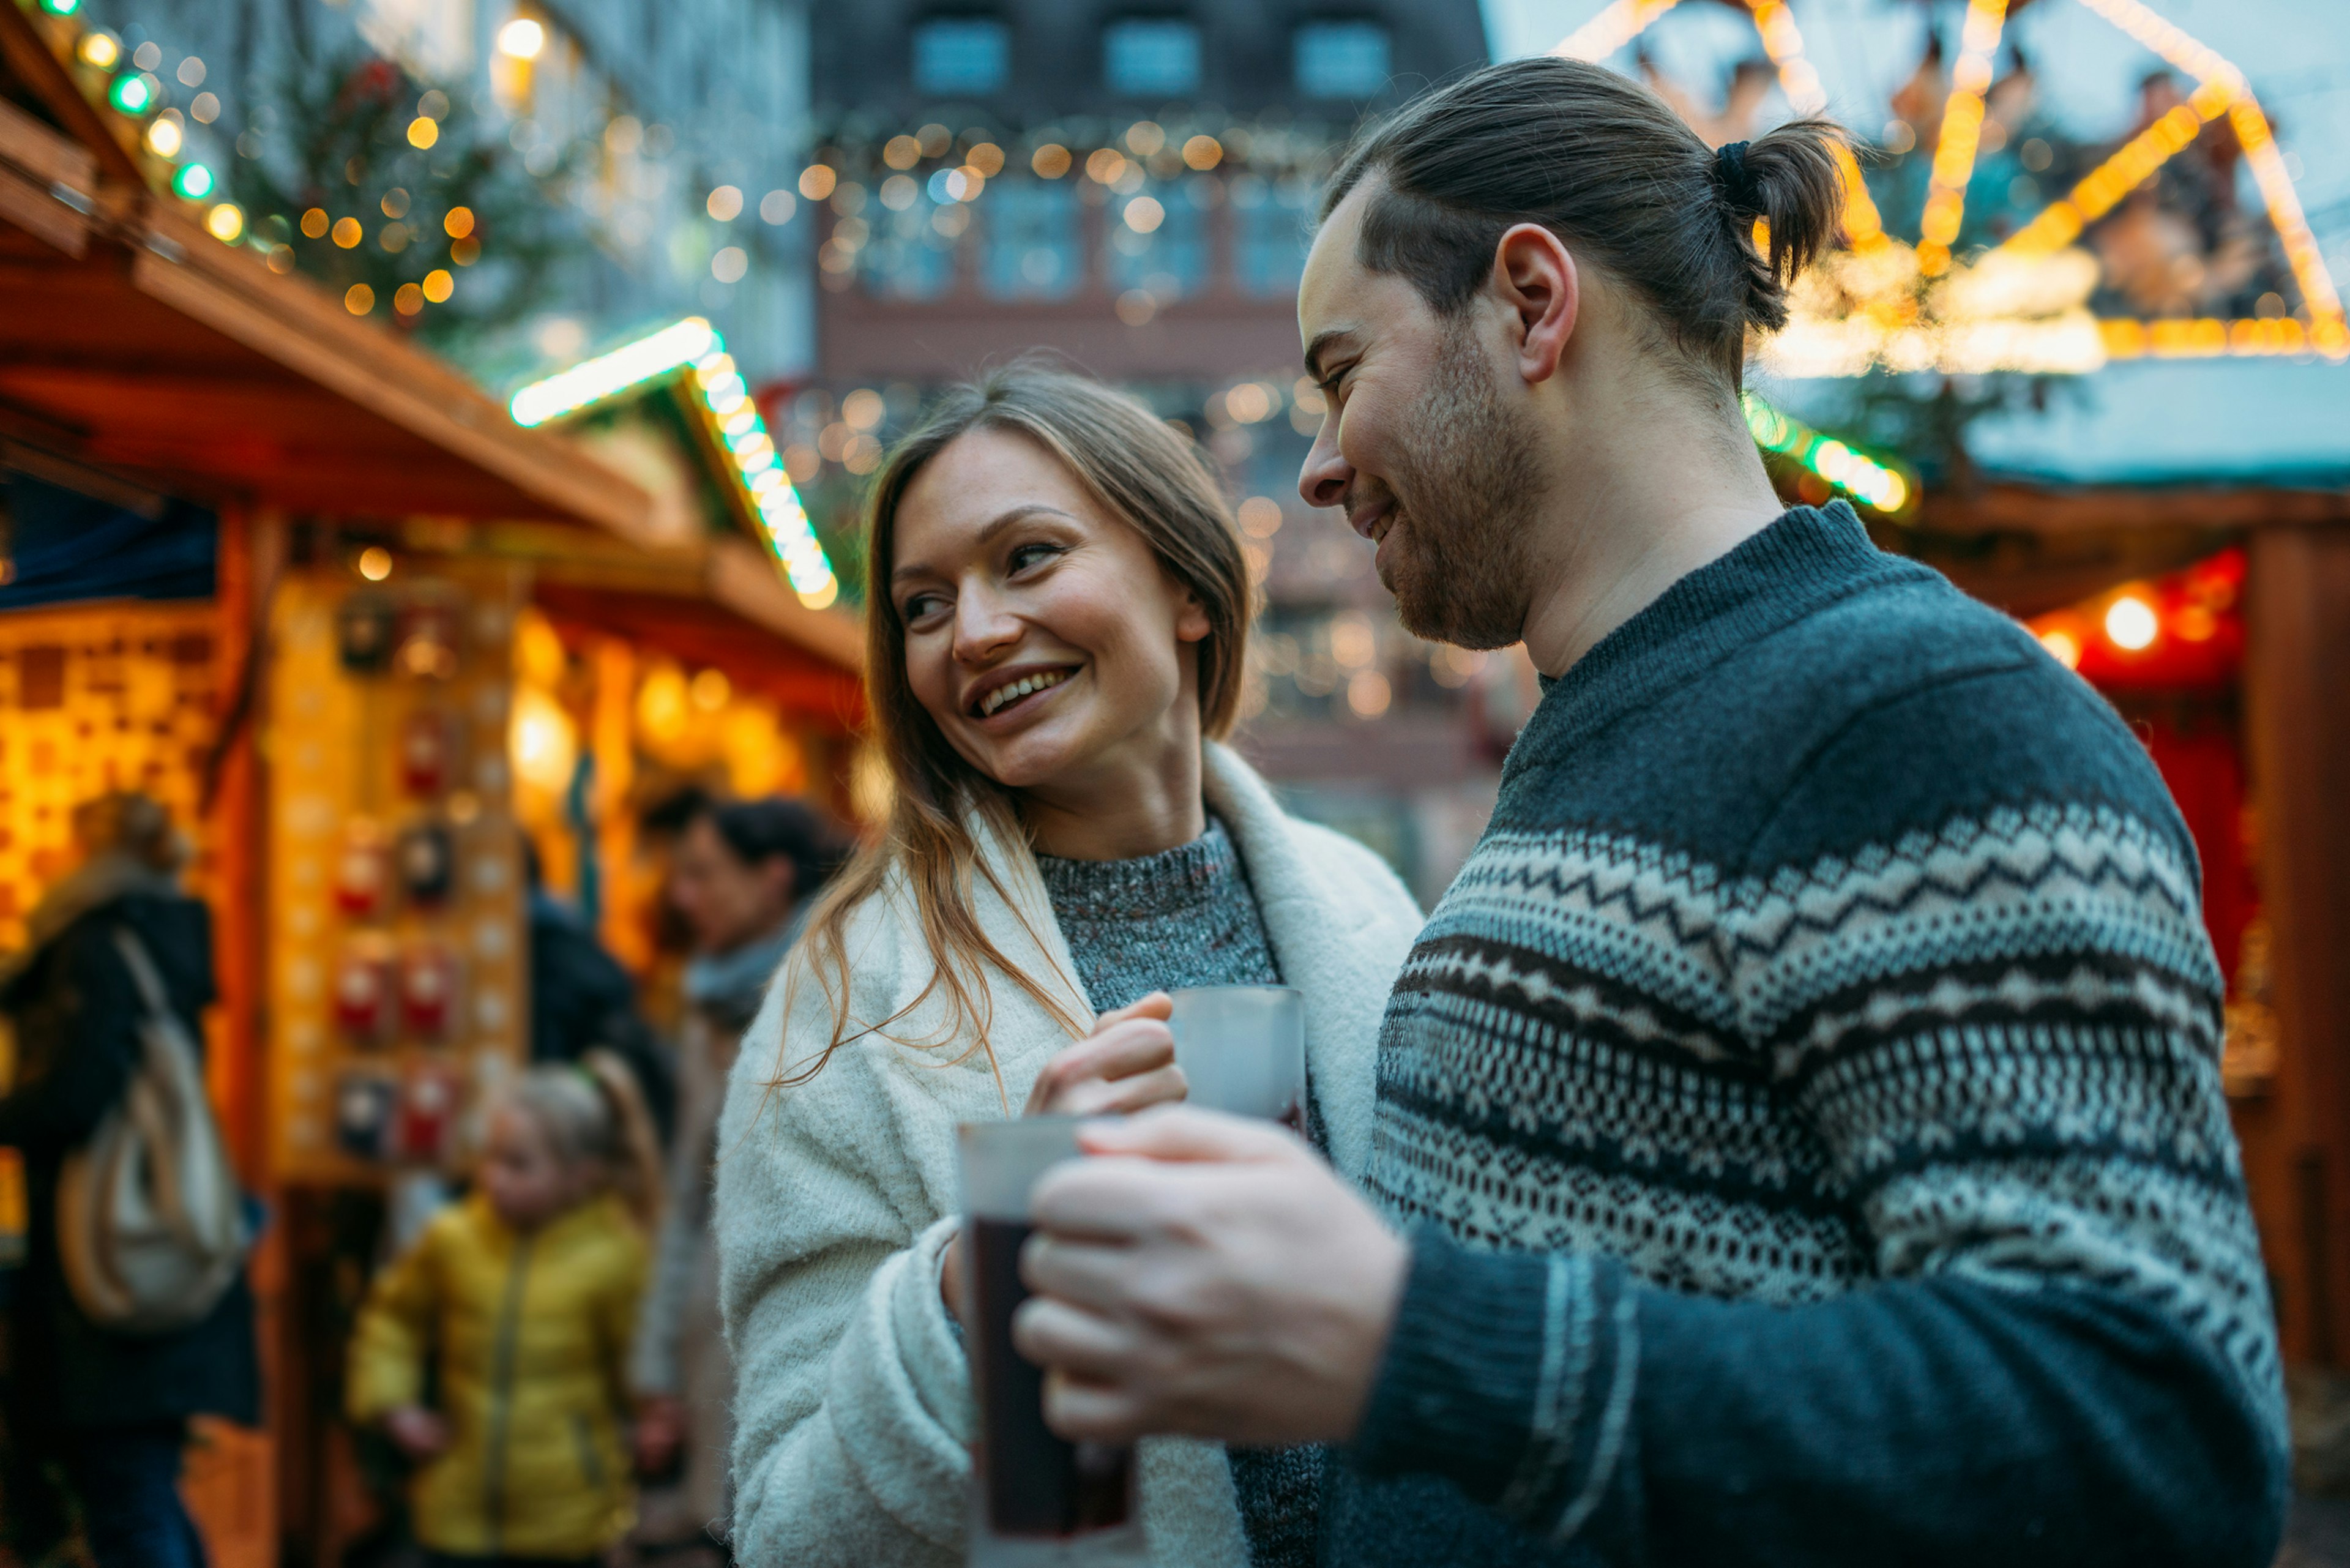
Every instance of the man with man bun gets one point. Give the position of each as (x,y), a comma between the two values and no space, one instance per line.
(1800,1134)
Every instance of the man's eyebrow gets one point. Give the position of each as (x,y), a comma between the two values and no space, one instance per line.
(1322,340)
(988,532)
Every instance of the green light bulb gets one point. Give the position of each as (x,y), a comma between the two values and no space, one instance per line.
(130,93)
(195,181)
(61,7)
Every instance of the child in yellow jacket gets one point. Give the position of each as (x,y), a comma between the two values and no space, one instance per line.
(525,1294)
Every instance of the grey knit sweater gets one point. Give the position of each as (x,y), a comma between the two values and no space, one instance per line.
(1187,917)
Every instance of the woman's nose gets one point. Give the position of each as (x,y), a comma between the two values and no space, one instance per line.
(984,626)
(1324,479)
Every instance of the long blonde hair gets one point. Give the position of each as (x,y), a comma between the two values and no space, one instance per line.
(1142,471)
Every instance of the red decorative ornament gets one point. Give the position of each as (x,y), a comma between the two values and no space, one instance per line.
(363,994)
(427,745)
(428,992)
(429,1101)
(362,871)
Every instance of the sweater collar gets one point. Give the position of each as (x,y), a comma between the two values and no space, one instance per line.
(1809,558)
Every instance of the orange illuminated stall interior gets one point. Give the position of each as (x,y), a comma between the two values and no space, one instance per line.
(144,358)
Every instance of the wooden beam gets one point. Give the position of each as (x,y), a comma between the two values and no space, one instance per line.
(2025,508)
(746,580)
(235,294)
(2297,686)
(46,182)
(25,48)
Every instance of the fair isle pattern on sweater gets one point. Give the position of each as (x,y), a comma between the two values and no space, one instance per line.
(1826,934)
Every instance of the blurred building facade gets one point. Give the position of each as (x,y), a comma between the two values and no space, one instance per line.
(654,129)
(1134,192)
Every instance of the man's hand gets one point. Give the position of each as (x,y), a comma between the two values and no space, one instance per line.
(1206,1275)
(419,1433)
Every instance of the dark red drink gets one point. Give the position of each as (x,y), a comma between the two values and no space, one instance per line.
(1035,1482)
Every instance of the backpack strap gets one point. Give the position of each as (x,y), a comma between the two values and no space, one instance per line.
(142,972)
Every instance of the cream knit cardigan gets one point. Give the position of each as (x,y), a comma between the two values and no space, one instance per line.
(852,1399)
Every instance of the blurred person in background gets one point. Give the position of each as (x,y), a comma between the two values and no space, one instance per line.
(742,877)
(514,1308)
(112,1406)
(582,1000)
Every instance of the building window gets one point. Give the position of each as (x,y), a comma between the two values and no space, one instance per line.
(1030,249)
(909,257)
(1272,226)
(961,55)
(1342,59)
(1168,258)
(1151,57)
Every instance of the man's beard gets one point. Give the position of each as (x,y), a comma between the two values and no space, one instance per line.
(1464,500)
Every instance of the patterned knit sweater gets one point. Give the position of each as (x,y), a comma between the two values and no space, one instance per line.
(1187,916)
(1806,1104)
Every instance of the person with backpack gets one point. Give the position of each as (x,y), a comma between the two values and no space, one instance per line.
(131,1311)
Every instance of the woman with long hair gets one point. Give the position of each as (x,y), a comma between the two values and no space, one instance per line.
(1058,616)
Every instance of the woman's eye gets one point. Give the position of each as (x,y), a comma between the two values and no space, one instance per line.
(918,607)
(1026,556)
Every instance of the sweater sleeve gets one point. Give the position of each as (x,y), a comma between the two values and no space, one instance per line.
(2003,1034)
(851,1406)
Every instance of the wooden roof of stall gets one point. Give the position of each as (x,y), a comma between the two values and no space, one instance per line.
(138,353)
(133,342)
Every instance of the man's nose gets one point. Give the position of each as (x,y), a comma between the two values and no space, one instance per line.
(1323,480)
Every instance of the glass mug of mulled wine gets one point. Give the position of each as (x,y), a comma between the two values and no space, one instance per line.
(1038,1499)
(1243,1050)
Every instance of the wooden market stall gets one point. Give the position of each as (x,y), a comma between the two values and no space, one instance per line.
(2215,614)
(284,571)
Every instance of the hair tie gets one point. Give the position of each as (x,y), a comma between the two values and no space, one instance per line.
(1738,185)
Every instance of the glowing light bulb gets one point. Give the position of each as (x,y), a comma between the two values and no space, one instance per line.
(2131,623)
(195,181)
(522,39)
(2062,647)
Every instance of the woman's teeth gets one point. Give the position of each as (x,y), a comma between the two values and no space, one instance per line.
(1019,688)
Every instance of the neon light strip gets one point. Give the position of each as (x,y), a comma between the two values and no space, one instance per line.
(736,423)
(1879,484)
(1783,42)
(1863,226)
(2060,223)
(608,375)
(2209,338)
(1609,31)
(2211,69)
(1954,151)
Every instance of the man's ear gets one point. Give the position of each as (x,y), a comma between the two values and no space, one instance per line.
(1535,282)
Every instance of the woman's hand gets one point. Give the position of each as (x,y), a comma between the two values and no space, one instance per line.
(1126,1064)
(659,1433)
(419,1433)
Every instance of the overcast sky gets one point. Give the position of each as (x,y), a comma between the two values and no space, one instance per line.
(2295,52)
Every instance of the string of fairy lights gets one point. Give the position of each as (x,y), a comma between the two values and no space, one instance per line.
(948,171)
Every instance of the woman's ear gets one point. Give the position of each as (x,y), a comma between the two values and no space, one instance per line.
(1191,623)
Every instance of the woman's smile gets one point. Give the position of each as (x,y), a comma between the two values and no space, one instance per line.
(1008,693)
